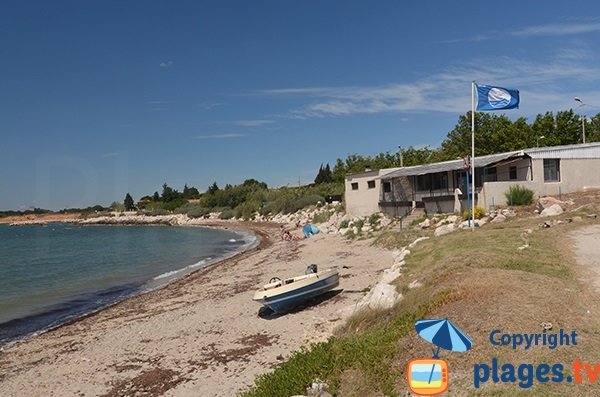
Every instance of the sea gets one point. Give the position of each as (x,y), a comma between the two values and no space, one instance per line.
(54,273)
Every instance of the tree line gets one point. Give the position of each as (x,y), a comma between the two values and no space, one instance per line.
(493,134)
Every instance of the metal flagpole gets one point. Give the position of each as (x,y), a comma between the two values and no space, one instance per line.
(472,155)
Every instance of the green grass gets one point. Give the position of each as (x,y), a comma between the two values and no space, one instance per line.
(370,352)
(493,247)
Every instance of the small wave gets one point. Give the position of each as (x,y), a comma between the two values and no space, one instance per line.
(198,264)
(167,274)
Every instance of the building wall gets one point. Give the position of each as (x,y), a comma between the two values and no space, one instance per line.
(365,200)
(523,170)
(575,175)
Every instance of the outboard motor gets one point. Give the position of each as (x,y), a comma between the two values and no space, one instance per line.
(311,269)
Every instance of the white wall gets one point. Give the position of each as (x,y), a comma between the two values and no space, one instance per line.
(365,200)
(575,175)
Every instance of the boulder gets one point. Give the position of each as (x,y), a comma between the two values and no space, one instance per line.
(546,202)
(390,275)
(552,210)
(498,219)
(453,219)
(382,297)
(445,229)
(425,224)
(465,224)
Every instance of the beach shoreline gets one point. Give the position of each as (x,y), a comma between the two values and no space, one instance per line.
(198,335)
(247,234)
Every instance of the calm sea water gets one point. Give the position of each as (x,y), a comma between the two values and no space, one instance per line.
(53,273)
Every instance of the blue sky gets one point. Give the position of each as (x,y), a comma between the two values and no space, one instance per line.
(101,98)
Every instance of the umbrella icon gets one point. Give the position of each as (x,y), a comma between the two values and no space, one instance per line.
(443,334)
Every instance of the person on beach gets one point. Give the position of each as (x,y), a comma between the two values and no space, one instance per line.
(285,234)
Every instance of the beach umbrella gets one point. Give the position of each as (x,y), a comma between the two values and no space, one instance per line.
(443,334)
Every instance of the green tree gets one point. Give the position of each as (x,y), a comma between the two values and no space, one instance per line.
(592,129)
(190,192)
(212,189)
(128,202)
(562,129)
(324,175)
(169,194)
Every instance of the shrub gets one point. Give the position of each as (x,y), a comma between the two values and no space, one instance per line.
(155,212)
(479,213)
(198,212)
(226,214)
(374,219)
(303,202)
(519,195)
(322,217)
(344,224)
(247,209)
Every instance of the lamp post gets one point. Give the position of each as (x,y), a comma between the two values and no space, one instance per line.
(581,104)
(538,140)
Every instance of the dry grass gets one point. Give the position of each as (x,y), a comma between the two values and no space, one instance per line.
(482,282)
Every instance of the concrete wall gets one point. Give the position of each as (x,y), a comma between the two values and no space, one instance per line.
(575,175)
(365,200)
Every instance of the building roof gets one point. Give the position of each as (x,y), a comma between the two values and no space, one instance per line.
(452,165)
(581,151)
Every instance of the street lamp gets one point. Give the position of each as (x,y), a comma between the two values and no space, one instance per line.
(581,104)
(538,139)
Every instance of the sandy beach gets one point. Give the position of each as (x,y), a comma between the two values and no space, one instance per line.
(198,336)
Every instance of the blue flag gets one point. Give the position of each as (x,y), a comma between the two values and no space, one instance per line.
(496,98)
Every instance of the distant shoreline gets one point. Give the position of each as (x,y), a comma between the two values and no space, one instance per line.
(33,219)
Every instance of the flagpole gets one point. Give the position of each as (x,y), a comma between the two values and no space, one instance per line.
(472,155)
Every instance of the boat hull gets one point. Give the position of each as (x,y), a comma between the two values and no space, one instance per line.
(288,296)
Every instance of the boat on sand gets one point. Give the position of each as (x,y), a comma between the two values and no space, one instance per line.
(283,295)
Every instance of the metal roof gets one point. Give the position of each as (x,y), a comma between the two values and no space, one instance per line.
(581,151)
(453,165)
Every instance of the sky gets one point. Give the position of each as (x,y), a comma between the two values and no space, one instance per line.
(102,98)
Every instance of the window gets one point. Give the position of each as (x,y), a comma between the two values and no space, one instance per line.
(490,174)
(371,184)
(354,185)
(387,187)
(512,173)
(551,170)
(435,181)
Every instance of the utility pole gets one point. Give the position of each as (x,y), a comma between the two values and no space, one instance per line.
(401,156)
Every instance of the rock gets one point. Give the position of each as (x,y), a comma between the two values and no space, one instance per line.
(382,297)
(425,224)
(390,275)
(508,213)
(398,255)
(414,243)
(317,389)
(546,202)
(498,219)
(465,224)
(452,219)
(445,229)
(414,284)
(552,210)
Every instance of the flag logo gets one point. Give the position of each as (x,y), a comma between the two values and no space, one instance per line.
(496,98)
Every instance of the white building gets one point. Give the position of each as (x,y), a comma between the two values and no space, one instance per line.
(548,171)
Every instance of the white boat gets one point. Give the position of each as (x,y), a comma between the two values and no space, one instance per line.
(282,295)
